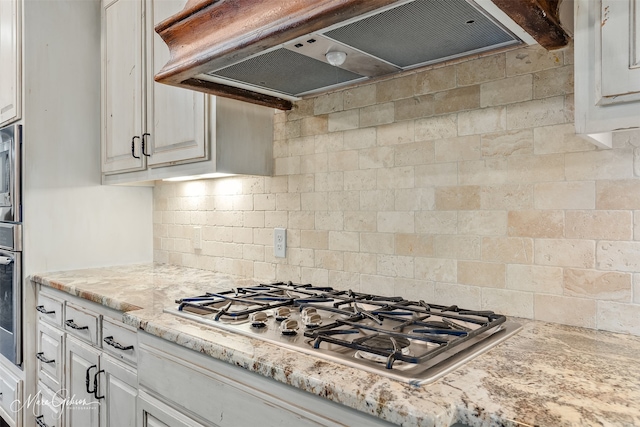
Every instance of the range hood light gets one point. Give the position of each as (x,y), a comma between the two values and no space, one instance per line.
(203,176)
(336,58)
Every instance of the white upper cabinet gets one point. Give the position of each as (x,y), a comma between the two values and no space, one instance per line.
(10,60)
(607,68)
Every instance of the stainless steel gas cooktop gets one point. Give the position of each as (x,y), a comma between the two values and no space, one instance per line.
(410,341)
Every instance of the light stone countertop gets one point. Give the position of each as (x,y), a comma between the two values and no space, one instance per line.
(546,375)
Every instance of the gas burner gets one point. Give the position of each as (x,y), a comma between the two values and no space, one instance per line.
(384,343)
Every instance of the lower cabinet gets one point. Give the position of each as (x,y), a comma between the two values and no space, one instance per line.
(10,392)
(153,413)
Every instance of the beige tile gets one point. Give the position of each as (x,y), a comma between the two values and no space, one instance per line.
(415,107)
(636,288)
(360,262)
(344,120)
(618,256)
(467,297)
(601,285)
(553,82)
(531,59)
(565,310)
(636,225)
(536,168)
(396,133)
(378,157)
(329,103)
(395,266)
(342,160)
(330,142)
(420,245)
(599,225)
(507,249)
(302,220)
(618,194)
(565,252)
(459,148)
(302,108)
(569,108)
(508,302)
(559,139)
(317,276)
(507,143)
(482,223)
(539,224)
(344,241)
(436,127)
(315,125)
(506,91)
(535,278)
(302,183)
(618,317)
(396,88)
(485,120)
(287,166)
(331,181)
(396,222)
(378,114)
(481,70)
(344,280)
(360,221)
(457,247)
(377,243)
(478,273)
(253,219)
(507,196)
(314,163)
(442,174)
(275,219)
(376,284)
(540,112)
(377,200)
(599,164)
(436,80)
(395,178)
(413,290)
(483,172)
(454,100)
(360,96)
(436,222)
(359,138)
(292,129)
(414,199)
(436,269)
(565,195)
(314,239)
(331,220)
(253,252)
(458,198)
(417,153)
(331,260)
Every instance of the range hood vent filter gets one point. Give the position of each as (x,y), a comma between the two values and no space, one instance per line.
(287,72)
(423,31)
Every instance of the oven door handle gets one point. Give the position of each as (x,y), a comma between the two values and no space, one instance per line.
(4,260)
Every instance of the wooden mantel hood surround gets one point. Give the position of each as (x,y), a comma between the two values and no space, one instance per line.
(212,34)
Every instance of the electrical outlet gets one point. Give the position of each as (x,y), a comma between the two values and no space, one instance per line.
(280,242)
(197,237)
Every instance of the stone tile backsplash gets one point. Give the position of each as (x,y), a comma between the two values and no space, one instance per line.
(463,184)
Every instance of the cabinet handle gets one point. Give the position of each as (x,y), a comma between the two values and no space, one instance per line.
(43,310)
(70,323)
(112,343)
(40,357)
(133,146)
(143,143)
(86,378)
(40,421)
(95,385)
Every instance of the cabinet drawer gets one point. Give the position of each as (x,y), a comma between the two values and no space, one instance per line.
(11,391)
(119,341)
(82,323)
(50,355)
(50,413)
(49,309)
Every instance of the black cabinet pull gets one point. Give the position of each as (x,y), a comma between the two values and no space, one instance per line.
(133,147)
(87,381)
(95,385)
(40,421)
(112,343)
(143,143)
(43,310)
(40,357)
(70,323)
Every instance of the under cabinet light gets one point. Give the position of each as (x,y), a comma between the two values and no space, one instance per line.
(203,176)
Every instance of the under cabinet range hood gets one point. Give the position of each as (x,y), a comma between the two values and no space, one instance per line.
(275,52)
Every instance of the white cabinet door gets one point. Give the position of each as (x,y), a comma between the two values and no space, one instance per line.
(82,365)
(10,61)
(175,117)
(153,413)
(122,85)
(119,385)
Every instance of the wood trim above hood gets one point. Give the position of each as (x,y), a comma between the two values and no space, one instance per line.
(212,34)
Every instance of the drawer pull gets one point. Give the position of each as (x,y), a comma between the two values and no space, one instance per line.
(112,343)
(95,385)
(40,421)
(70,323)
(86,378)
(40,357)
(43,310)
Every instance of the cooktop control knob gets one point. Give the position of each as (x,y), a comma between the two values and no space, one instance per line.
(289,327)
(282,313)
(311,318)
(259,319)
